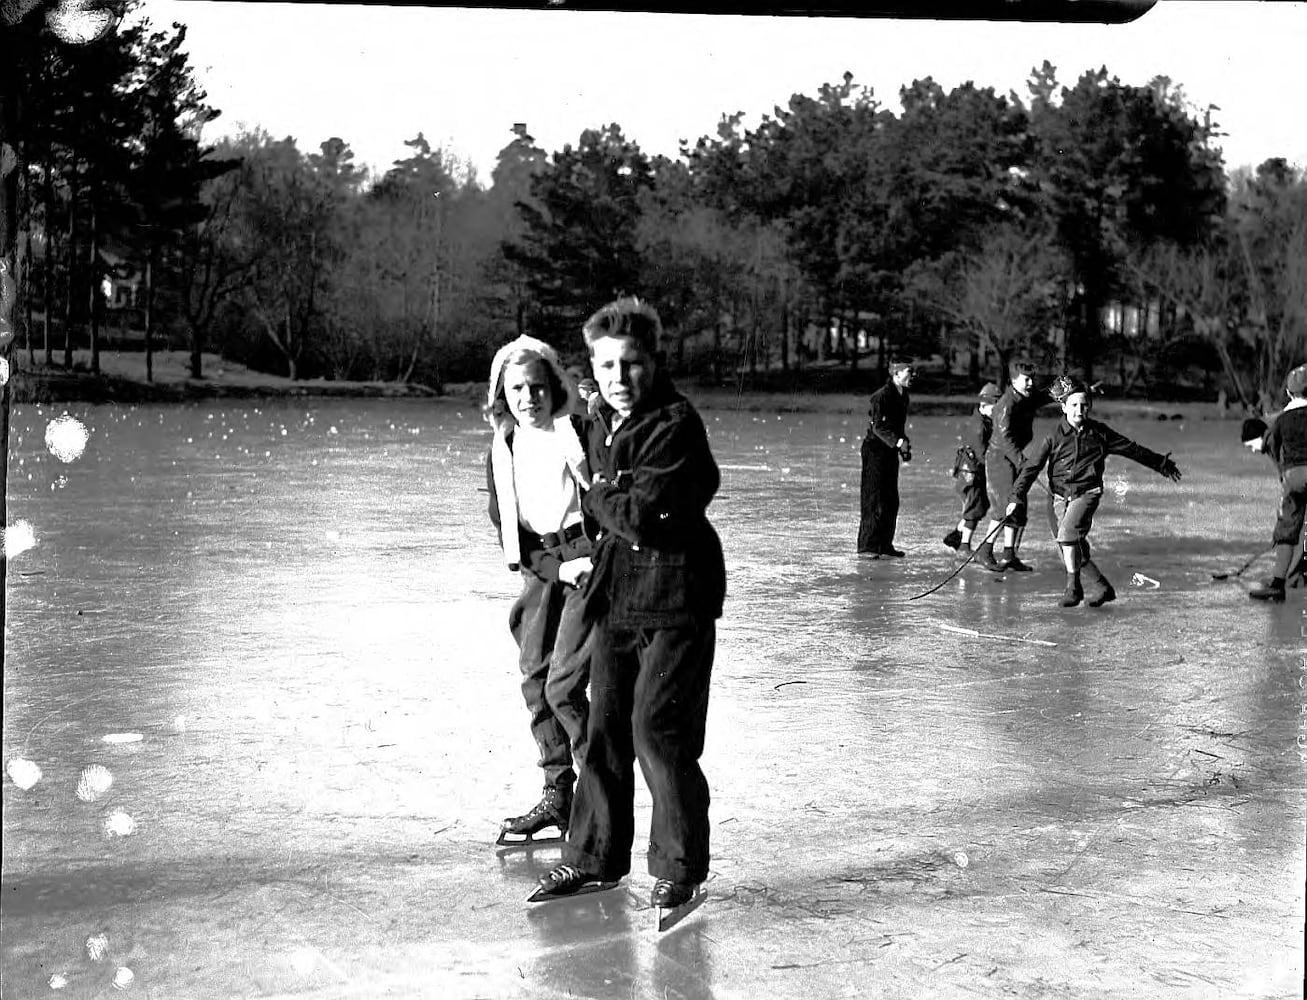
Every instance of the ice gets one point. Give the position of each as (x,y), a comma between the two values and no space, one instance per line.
(332,731)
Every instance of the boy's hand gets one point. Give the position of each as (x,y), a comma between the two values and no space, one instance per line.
(1011,509)
(574,571)
(1170,470)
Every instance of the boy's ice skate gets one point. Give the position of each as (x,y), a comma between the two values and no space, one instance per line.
(674,901)
(567,881)
(545,823)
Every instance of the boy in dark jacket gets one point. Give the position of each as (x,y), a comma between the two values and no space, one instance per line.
(969,471)
(1014,428)
(1286,442)
(657,588)
(885,445)
(1075,453)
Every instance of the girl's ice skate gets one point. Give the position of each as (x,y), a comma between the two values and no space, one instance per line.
(546,823)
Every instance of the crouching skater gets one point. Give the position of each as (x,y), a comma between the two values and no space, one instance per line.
(1075,453)
(1286,443)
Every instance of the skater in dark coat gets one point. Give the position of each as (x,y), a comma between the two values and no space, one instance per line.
(1285,441)
(1014,429)
(969,471)
(885,445)
(536,470)
(1075,453)
(656,591)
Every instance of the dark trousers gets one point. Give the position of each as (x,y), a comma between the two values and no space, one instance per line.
(880,496)
(1000,475)
(548,624)
(648,702)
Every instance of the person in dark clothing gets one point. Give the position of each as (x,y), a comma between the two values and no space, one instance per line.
(1285,441)
(885,445)
(656,590)
(1075,453)
(969,471)
(1014,428)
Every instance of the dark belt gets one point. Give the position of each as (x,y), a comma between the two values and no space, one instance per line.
(557,539)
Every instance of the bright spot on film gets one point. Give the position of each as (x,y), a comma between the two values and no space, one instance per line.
(19,537)
(66,438)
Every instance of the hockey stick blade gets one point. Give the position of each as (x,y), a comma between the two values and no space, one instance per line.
(669,917)
(539,895)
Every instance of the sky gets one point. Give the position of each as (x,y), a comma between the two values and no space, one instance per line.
(377,75)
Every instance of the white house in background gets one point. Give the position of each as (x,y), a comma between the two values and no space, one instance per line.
(122,285)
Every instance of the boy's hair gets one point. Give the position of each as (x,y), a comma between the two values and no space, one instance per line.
(1296,382)
(626,317)
(1065,386)
(1020,366)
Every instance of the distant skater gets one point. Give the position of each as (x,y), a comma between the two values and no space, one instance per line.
(1075,453)
(537,470)
(884,447)
(969,471)
(1285,441)
(657,589)
(1014,429)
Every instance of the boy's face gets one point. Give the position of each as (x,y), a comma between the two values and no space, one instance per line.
(1022,383)
(527,392)
(1076,407)
(624,371)
(986,409)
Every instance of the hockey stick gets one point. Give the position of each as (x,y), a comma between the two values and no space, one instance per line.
(1240,571)
(963,565)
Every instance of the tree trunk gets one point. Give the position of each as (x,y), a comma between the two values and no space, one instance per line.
(149,316)
(93,299)
(47,277)
(27,283)
(70,285)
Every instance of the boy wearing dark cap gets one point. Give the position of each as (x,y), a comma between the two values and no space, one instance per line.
(655,592)
(1014,428)
(969,471)
(885,445)
(1286,442)
(1075,453)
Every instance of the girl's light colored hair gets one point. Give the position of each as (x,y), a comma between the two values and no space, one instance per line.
(626,317)
(496,411)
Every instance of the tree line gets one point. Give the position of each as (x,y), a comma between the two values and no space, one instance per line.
(1091,225)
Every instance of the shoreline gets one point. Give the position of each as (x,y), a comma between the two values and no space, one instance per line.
(122,380)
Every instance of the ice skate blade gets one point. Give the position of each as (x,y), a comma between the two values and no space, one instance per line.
(668,917)
(509,841)
(539,895)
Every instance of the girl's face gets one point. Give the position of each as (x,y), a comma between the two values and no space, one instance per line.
(527,392)
(1076,407)
(625,373)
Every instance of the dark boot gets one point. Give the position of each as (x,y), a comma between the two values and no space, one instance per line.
(1099,591)
(1073,593)
(1010,563)
(985,558)
(1273,591)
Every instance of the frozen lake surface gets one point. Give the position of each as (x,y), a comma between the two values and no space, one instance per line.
(299,610)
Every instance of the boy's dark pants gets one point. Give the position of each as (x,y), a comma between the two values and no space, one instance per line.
(548,623)
(648,702)
(880,496)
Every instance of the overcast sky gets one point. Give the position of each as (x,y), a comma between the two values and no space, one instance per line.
(377,75)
